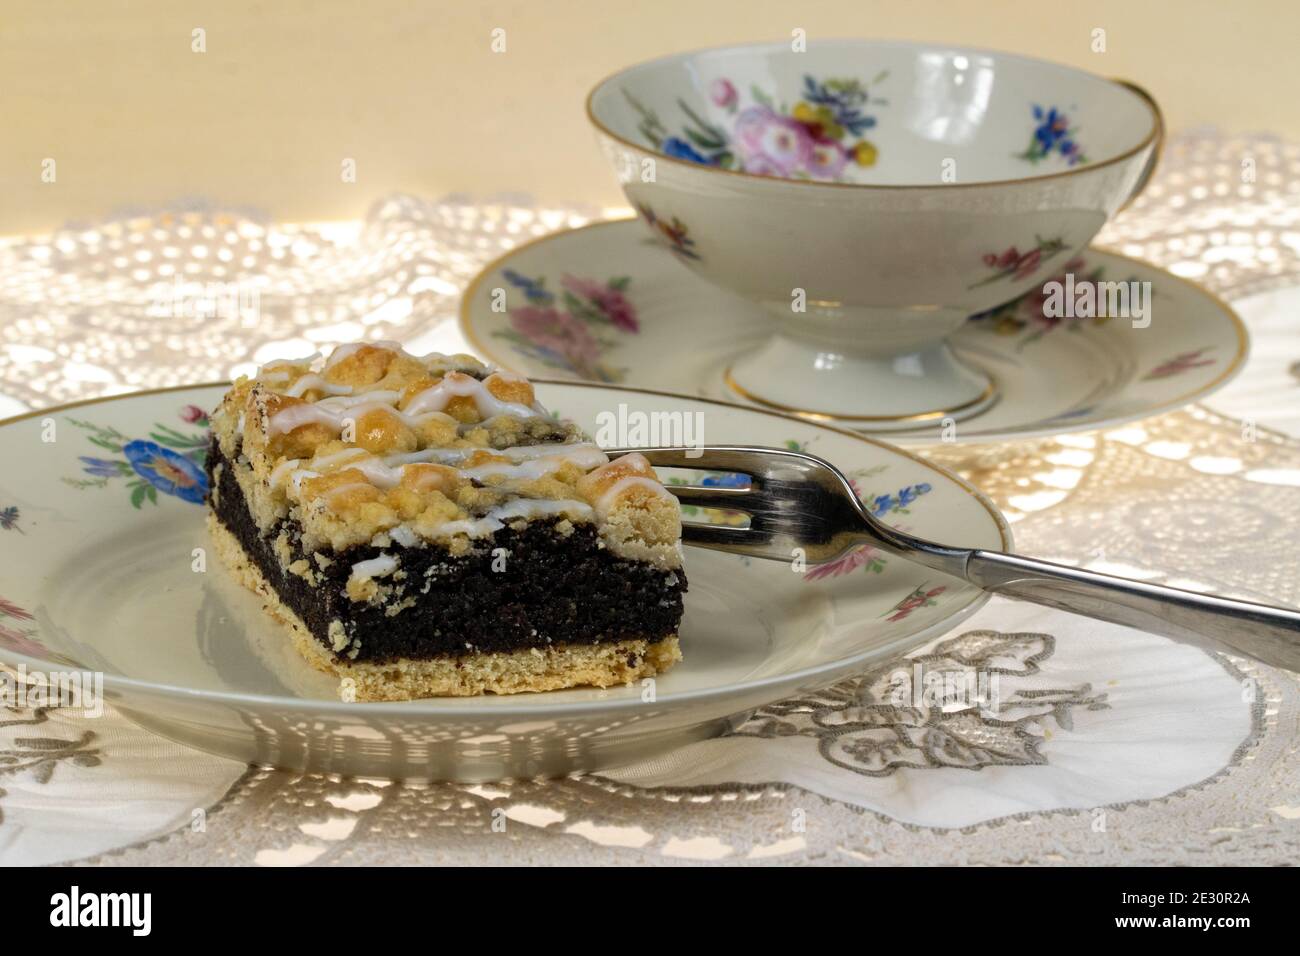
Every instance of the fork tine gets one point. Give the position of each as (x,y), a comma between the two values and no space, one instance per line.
(732,499)
(726,538)
(704,459)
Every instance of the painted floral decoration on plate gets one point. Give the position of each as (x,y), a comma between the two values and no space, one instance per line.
(17,635)
(573,329)
(820,137)
(170,461)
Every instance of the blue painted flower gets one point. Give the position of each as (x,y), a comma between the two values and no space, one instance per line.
(883,504)
(680,149)
(167,471)
(534,291)
(101,467)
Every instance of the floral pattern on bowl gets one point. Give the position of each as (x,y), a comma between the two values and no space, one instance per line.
(169,461)
(570,330)
(1053,135)
(1015,265)
(819,138)
(673,231)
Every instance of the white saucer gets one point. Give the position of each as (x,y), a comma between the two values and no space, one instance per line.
(106,567)
(631,314)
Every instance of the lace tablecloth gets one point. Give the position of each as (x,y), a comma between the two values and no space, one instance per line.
(1111,746)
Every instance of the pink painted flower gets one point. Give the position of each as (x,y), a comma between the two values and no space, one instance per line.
(20,643)
(9,609)
(723,93)
(192,414)
(855,559)
(827,160)
(620,312)
(916,599)
(559,332)
(772,145)
(1028,264)
(1179,363)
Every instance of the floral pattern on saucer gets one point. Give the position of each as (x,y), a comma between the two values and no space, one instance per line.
(169,461)
(1178,364)
(1027,315)
(569,330)
(1053,135)
(820,137)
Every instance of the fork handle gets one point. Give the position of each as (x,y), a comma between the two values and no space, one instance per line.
(1264,633)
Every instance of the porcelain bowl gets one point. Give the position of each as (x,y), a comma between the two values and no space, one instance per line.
(871,196)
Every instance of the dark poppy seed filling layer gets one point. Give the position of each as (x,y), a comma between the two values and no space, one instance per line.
(547,588)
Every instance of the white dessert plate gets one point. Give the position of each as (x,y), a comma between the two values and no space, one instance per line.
(105,566)
(605,303)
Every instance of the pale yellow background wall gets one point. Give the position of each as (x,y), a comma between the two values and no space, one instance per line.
(286,90)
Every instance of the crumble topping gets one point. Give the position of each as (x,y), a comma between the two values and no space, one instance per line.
(374,445)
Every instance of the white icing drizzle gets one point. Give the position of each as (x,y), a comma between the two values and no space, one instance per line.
(528,462)
(539,507)
(425,406)
(345,351)
(378,567)
(524,462)
(435,398)
(347,401)
(498,517)
(577,452)
(314,381)
(327,461)
(281,472)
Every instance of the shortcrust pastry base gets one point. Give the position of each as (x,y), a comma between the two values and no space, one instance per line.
(512,672)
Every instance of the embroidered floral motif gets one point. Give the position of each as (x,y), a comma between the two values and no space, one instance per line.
(866,725)
(568,330)
(39,756)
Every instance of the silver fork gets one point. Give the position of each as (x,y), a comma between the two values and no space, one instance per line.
(795,500)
